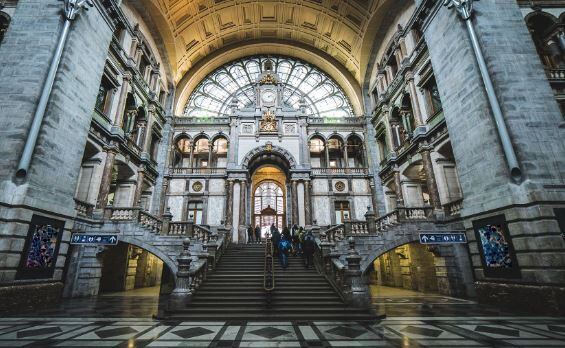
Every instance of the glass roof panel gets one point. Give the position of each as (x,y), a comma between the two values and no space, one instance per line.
(213,96)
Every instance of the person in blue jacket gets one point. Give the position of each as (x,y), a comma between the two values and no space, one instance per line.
(284,251)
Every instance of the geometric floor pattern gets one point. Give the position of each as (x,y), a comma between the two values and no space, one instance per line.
(390,332)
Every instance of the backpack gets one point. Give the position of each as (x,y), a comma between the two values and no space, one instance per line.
(284,245)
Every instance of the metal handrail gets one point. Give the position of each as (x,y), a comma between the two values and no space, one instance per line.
(269,273)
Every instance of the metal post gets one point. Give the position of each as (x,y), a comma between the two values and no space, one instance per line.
(465,10)
(71,9)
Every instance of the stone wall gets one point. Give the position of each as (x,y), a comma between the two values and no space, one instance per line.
(533,121)
(25,56)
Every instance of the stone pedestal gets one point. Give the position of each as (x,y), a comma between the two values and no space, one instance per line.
(182,294)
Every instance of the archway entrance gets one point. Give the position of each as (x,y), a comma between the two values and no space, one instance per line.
(268,198)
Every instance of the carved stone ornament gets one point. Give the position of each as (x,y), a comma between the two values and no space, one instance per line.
(197,186)
(268,79)
(463,7)
(339,186)
(268,123)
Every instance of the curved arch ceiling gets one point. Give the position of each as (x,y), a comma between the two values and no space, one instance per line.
(334,28)
(301,82)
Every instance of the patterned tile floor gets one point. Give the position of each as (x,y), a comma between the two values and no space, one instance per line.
(412,321)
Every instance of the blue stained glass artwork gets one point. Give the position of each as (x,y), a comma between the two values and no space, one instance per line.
(496,249)
(42,247)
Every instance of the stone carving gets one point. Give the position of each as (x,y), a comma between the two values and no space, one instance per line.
(268,123)
(268,79)
(73,7)
(197,186)
(290,128)
(247,128)
(463,7)
(339,186)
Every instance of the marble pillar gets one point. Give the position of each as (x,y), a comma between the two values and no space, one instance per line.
(119,116)
(294,193)
(242,203)
(229,204)
(397,183)
(308,202)
(414,99)
(139,186)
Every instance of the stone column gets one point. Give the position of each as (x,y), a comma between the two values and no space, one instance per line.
(182,295)
(191,158)
(210,148)
(147,134)
(294,202)
(358,296)
(414,99)
(399,195)
(141,134)
(139,186)
(106,177)
(242,201)
(121,109)
(388,129)
(373,196)
(430,178)
(163,201)
(345,156)
(327,155)
(229,207)
(308,202)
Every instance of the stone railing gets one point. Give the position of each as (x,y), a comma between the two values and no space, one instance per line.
(453,208)
(403,214)
(122,213)
(555,74)
(199,171)
(133,146)
(150,221)
(199,273)
(178,228)
(336,171)
(83,208)
(334,234)
(336,120)
(346,279)
(186,121)
(202,233)
(356,228)
(387,220)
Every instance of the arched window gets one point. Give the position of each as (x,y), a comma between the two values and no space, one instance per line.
(220,152)
(236,80)
(268,205)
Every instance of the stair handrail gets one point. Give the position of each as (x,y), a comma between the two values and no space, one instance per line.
(327,263)
(269,271)
(150,221)
(335,233)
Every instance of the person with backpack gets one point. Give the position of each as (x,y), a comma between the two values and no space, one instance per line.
(309,247)
(300,240)
(284,250)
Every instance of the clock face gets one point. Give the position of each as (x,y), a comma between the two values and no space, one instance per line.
(269,96)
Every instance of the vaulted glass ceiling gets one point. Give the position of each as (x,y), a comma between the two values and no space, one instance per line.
(322,96)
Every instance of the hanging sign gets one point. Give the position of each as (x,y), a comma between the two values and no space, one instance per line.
(443,238)
(94,239)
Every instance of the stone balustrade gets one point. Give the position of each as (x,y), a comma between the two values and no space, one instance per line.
(122,213)
(453,208)
(150,221)
(83,208)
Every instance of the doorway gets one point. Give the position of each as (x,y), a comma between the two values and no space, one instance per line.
(269,198)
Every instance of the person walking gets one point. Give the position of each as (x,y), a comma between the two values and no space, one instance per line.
(276,237)
(300,240)
(284,250)
(249,234)
(309,247)
(258,234)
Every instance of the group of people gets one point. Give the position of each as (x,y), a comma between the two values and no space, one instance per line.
(294,241)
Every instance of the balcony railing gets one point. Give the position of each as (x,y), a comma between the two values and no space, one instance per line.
(83,208)
(555,74)
(200,171)
(453,208)
(334,171)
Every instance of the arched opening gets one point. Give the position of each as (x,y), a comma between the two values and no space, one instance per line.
(219,152)
(406,270)
(335,152)
(269,198)
(122,188)
(317,147)
(181,152)
(414,186)
(133,271)
(355,152)
(4,24)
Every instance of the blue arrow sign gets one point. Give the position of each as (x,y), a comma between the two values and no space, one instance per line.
(94,239)
(443,238)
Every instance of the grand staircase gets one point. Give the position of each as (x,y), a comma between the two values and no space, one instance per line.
(234,291)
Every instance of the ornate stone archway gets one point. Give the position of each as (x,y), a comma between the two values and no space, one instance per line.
(269,152)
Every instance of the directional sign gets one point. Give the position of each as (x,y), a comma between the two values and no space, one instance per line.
(442,238)
(99,239)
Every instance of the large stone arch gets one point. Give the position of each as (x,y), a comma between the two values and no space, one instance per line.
(172,264)
(388,246)
(269,150)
